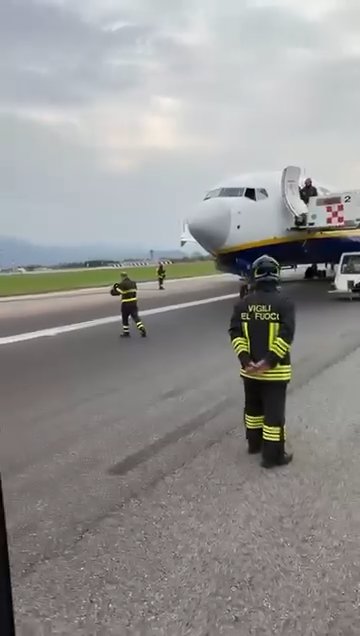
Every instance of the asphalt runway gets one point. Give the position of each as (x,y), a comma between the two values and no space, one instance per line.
(46,311)
(132,505)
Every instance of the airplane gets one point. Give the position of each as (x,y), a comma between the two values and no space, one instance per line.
(252,214)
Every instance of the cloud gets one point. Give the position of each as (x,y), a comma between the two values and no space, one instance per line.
(115,117)
(52,55)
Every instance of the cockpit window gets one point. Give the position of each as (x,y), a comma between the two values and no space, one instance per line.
(225,192)
(261,194)
(212,194)
(257,194)
(231,192)
(250,194)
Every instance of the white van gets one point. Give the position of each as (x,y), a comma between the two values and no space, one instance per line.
(347,279)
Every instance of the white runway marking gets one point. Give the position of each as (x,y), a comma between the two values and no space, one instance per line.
(55,331)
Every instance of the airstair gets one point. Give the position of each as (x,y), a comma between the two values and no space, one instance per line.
(325,213)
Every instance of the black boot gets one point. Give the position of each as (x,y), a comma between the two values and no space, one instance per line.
(143,333)
(274,454)
(254,440)
(284,460)
(125,335)
(254,449)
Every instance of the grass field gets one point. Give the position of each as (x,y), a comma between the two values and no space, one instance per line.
(38,283)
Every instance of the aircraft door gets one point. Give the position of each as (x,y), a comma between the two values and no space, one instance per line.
(290,192)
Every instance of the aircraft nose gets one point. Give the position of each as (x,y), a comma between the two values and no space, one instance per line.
(210,224)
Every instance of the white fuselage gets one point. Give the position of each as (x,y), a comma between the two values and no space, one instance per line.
(228,217)
(252,214)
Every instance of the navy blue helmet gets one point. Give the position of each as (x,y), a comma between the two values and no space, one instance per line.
(265,268)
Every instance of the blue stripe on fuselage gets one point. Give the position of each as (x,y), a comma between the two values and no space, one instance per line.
(324,250)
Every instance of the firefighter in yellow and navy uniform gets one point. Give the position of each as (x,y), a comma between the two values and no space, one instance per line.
(262,329)
(127,289)
(161,275)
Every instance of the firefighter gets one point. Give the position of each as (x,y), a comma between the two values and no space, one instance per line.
(161,275)
(262,329)
(127,289)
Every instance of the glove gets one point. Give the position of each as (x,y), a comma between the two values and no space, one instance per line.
(114,291)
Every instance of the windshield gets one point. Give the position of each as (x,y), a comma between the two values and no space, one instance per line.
(225,192)
(351,264)
(256,194)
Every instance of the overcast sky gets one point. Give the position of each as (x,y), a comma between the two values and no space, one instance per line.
(117,115)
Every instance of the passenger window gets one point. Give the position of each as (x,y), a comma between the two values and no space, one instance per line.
(250,193)
(261,194)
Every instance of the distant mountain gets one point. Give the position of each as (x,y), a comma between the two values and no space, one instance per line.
(15,252)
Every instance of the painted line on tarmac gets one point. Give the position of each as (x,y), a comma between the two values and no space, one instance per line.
(78,326)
